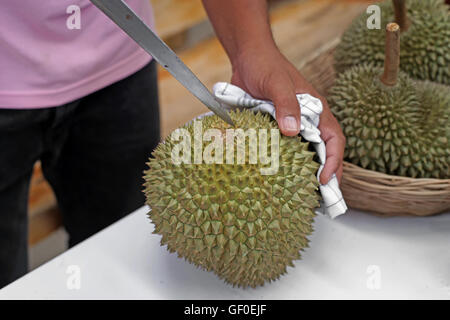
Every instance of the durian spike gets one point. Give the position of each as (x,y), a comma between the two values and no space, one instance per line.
(392,57)
(401,14)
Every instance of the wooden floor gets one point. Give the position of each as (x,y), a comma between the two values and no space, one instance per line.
(303,30)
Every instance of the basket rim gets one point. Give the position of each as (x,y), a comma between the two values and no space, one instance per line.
(398,178)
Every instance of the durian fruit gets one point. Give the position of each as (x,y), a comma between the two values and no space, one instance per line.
(425,26)
(229,218)
(393,124)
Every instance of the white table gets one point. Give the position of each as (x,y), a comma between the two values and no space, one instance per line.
(354,256)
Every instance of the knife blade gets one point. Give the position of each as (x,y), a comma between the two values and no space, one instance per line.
(121,14)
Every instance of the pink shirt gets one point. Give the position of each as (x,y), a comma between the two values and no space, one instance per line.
(45,60)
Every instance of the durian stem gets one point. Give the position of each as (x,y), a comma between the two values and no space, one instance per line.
(392,57)
(401,14)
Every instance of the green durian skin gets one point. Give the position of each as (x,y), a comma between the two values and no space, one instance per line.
(402,130)
(228,218)
(425,46)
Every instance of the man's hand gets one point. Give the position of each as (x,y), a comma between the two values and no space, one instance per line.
(260,69)
(269,75)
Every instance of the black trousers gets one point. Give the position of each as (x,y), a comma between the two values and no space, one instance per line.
(93,153)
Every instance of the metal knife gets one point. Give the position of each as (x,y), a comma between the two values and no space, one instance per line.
(119,12)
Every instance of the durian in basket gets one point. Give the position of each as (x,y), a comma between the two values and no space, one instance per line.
(398,129)
(425,27)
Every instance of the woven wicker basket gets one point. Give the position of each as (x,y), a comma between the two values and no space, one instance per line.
(373,191)
(388,195)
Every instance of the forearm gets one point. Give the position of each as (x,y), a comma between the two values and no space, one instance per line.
(241,25)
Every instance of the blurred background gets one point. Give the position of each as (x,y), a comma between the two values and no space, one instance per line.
(306,32)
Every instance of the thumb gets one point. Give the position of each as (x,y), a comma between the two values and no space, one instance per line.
(286,105)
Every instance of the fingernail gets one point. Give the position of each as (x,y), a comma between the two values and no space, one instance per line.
(290,124)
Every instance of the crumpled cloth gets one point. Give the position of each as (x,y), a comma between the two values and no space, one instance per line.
(233,97)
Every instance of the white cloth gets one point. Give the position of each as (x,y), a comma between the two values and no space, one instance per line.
(233,97)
